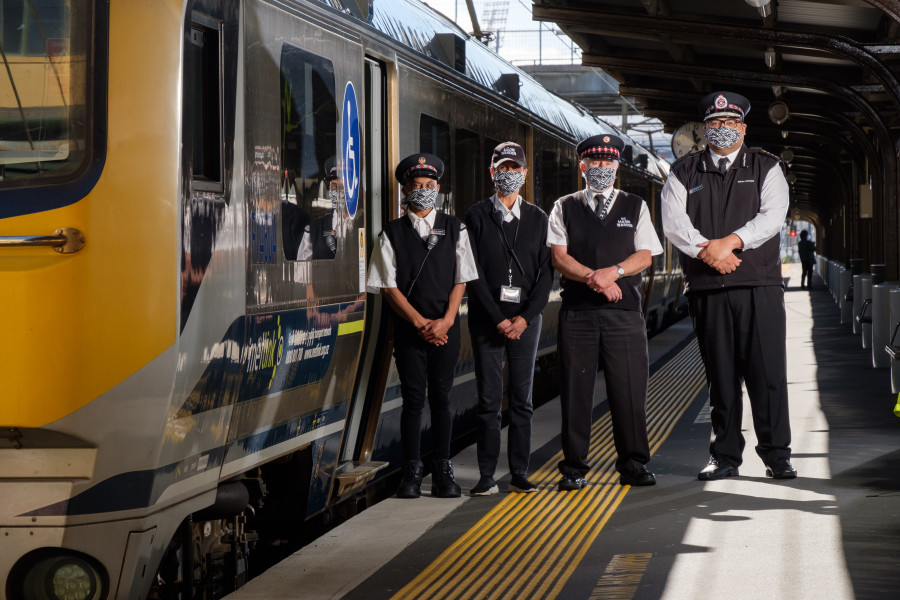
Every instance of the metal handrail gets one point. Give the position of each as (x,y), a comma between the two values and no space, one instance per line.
(890,348)
(861,317)
(64,240)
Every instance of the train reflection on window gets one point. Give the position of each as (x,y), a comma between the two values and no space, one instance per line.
(312,197)
(434,137)
(44,123)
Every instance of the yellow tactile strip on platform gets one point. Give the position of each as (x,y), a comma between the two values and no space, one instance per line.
(523,547)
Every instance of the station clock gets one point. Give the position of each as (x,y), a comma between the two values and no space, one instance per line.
(688,138)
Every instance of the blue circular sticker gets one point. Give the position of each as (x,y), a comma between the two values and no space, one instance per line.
(350,149)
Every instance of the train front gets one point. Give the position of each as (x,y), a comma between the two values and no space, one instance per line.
(88,288)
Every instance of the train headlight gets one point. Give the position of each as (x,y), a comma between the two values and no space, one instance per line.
(56,575)
(73,579)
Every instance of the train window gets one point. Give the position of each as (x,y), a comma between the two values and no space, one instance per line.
(489,146)
(549,181)
(434,137)
(469,169)
(203,74)
(45,100)
(569,176)
(312,189)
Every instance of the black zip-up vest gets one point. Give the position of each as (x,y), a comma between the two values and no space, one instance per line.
(718,206)
(323,237)
(598,243)
(431,293)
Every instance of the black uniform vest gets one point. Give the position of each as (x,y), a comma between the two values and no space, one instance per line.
(323,237)
(718,206)
(598,243)
(431,292)
(527,236)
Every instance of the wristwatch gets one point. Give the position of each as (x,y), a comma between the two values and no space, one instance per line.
(620,270)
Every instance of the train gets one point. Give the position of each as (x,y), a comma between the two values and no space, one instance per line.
(181,387)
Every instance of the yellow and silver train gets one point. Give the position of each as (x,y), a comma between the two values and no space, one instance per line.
(191,368)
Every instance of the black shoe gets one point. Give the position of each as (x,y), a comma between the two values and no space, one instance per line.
(571,482)
(486,486)
(780,468)
(640,476)
(411,481)
(442,483)
(519,483)
(718,468)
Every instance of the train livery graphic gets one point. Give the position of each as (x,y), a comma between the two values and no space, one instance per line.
(189,192)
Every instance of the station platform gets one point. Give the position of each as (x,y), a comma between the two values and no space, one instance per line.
(832,533)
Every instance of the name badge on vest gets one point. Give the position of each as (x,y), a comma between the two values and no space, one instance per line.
(509,293)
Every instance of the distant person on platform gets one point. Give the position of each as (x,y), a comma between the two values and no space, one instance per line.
(807,250)
(601,238)
(421,265)
(723,208)
(509,238)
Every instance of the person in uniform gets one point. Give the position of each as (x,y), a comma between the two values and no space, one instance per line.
(421,265)
(807,250)
(294,219)
(601,238)
(320,237)
(723,209)
(509,238)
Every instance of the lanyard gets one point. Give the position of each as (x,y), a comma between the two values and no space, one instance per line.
(608,202)
(510,249)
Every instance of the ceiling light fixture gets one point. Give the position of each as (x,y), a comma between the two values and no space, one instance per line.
(778,112)
(763,6)
(771,57)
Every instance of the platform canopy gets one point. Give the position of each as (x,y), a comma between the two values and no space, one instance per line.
(822,78)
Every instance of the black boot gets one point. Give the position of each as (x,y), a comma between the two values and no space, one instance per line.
(411,481)
(442,483)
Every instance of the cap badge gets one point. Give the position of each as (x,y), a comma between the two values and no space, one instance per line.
(605,139)
(422,160)
(721,101)
(508,150)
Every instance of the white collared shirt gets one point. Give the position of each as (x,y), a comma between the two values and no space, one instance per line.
(773,205)
(508,213)
(383,264)
(717,157)
(645,237)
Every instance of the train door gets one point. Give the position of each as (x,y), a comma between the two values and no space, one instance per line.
(376,356)
(305,301)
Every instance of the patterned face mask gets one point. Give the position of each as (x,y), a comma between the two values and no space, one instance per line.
(723,137)
(422,199)
(509,182)
(600,178)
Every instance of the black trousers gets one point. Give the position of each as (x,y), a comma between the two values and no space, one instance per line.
(618,338)
(742,333)
(806,274)
(489,348)
(426,372)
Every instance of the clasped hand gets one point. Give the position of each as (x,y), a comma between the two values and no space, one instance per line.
(512,328)
(603,281)
(718,255)
(435,331)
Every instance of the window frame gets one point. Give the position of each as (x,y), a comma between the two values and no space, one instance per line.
(27,197)
(212,184)
(317,65)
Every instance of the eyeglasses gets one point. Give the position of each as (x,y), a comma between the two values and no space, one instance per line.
(415,185)
(716,123)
